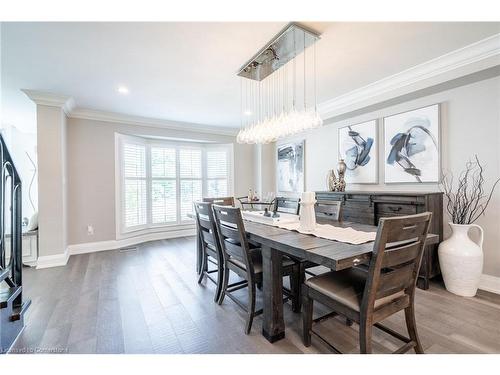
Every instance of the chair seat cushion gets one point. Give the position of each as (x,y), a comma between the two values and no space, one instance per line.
(257,261)
(347,287)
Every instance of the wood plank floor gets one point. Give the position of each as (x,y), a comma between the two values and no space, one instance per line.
(148,301)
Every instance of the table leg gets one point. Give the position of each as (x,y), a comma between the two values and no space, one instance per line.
(273,326)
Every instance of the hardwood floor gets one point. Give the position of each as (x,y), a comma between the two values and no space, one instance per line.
(148,301)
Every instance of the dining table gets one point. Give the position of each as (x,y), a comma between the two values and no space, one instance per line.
(277,242)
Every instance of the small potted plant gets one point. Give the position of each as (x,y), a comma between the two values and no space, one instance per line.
(460,258)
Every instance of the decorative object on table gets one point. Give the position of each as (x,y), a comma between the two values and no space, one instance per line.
(307,214)
(411,141)
(33,222)
(358,147)
(266,212)
(291,167)
(331,180)
(460,258)
(341,169)
(270,82)
(334,183)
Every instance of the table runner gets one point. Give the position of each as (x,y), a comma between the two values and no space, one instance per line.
(327,231)
(331,232)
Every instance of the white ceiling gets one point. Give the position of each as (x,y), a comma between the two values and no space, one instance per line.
(186,71)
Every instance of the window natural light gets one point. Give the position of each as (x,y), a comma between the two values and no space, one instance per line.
(159,180)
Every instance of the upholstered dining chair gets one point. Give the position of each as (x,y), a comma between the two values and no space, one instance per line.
(223,201)
(211,251)
(369,297)
(325,212)
(246,262)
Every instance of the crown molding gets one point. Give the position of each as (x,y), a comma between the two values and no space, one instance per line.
(96,115)
(66,103)
(466,60)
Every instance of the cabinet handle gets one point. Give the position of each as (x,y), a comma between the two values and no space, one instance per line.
(395,209)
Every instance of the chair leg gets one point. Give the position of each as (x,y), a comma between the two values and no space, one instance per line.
(365,337)
(203,267)
(295,288)
(307,311)
(250,306)
(225,281)
(412,328)
(220,279)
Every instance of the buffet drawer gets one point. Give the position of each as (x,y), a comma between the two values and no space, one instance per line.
(395,209)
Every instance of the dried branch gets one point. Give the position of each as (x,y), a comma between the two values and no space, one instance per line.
(468,201)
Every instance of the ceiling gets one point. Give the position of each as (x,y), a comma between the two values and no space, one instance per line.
(187,71)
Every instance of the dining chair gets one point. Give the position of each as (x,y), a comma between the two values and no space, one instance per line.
(367,298)
(328,211)
(223,201)
(246,263)
(211,251)
(287,205)
(325,212)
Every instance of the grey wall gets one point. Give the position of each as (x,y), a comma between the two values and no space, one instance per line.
(470,124)
(91,173)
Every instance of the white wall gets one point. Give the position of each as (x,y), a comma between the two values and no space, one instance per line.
(52,202)
(470,124)
(91,172)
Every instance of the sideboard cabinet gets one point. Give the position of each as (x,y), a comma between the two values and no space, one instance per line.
(368,207)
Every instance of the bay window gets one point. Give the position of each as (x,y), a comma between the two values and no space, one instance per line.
(158,181)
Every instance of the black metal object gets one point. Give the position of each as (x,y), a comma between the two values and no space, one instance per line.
(11,269)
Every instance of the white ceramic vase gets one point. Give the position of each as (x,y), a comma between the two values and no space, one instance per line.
(307,218)
(461,260)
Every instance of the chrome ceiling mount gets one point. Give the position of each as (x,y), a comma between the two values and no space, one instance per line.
(291,41)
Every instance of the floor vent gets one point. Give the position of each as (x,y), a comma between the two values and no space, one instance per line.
(128,249)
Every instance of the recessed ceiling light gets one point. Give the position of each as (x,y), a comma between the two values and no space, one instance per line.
(123,90)
(247,112)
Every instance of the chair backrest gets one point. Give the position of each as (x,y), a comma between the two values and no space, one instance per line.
(206,226)
(397,254)
(223,201)
(232,235)
(328,211)
(287,205)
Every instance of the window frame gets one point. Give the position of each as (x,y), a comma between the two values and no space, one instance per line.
(120,139)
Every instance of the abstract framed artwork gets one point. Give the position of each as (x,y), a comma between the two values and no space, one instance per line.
(358,147)
(291,167)
(412,146)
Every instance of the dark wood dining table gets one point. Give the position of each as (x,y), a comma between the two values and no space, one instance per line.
(276,242)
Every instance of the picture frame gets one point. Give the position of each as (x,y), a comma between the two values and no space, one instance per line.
(412,146)
(358,147)
(290,165)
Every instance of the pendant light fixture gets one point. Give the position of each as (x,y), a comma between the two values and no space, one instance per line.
(278,88)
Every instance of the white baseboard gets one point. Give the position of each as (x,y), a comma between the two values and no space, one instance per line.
(92,247)
(49,261)
(490,283)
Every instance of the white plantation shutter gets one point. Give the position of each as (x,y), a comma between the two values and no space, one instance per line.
(191,188)
(163,185)
(160,180)
(217,173)
(135,193)
(163,162)
(190,163)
